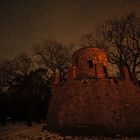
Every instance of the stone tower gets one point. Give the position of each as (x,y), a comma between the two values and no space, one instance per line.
(90,101)
(90,63)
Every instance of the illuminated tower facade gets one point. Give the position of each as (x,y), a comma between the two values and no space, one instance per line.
(90,63)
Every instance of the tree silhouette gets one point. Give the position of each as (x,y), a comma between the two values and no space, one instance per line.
(28,90)
(3,76)
(88,40)
(120,38)
(54,56)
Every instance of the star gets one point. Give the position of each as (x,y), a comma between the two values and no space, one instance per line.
(25,23)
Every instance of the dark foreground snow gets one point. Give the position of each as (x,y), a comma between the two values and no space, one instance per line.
(22,132)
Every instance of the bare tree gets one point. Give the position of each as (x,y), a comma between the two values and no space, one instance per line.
(120,38)
(3,76)
(26,89)
(54,56)
(10,69)
(23,64)
(88,40)
(7,73)
(22,84)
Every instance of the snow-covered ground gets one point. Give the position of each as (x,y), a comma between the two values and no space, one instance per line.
(20,131)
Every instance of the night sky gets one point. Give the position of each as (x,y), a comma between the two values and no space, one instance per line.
(24,23)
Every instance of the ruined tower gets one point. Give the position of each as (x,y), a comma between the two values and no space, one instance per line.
(90,63)
(90,101)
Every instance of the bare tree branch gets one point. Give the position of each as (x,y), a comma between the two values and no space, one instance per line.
(54,55)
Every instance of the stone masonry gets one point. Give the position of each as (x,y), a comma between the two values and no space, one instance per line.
(89,101)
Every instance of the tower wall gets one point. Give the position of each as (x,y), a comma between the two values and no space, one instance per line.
(90,101)
(90,63)
(99,104)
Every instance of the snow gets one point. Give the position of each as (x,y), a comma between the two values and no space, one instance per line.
(20,131)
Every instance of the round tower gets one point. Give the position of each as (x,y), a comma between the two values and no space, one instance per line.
(90,63)
(86,105)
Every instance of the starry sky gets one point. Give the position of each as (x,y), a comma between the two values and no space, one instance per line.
(24,23)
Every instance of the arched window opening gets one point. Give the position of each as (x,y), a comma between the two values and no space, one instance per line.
(90,63)
(105,71)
